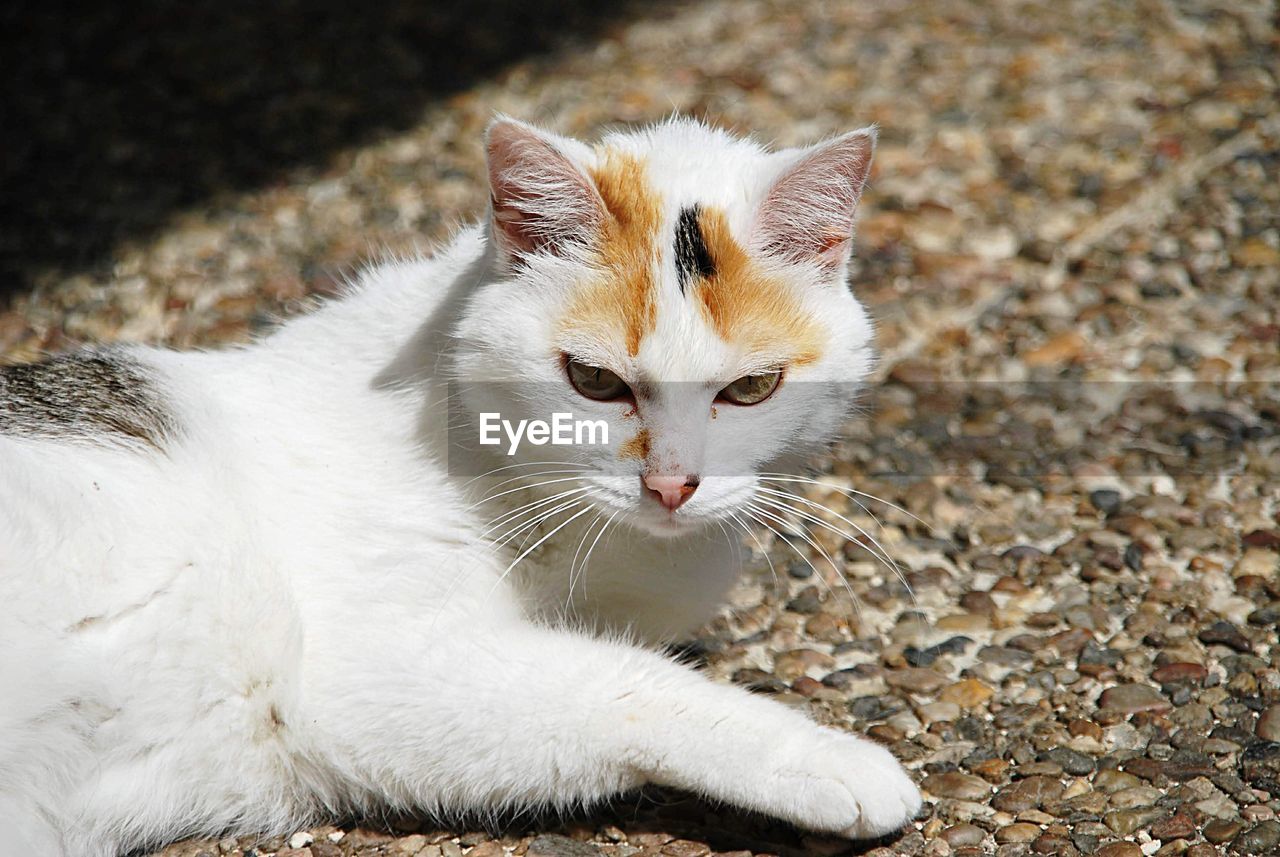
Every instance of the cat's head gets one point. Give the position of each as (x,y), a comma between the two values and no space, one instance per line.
(683,286)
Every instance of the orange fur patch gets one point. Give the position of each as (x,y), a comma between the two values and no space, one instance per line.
(637,447)
(628,248)
(749,307)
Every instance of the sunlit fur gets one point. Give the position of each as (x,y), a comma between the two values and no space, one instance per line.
(303,602)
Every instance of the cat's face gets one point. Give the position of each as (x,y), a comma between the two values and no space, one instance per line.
(682,287)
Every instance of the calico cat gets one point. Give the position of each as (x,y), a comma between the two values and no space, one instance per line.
(246,589)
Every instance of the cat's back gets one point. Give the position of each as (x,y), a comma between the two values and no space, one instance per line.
(101,396)
(102,497)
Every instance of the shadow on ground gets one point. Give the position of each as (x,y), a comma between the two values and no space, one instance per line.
(117,116)
(660,814)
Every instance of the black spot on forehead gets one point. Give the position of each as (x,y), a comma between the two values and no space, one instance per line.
(693,259)
(97,395)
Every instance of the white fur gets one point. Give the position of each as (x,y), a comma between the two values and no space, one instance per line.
(295,610)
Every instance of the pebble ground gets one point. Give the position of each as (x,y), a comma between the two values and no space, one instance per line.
(1072,247)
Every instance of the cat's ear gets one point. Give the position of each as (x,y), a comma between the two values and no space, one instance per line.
(807,214)
(542,201)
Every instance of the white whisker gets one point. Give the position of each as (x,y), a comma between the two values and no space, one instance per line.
(851,493)
(835,569)
(879,552)
(520,511)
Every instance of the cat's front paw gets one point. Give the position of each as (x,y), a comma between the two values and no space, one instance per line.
(852,787)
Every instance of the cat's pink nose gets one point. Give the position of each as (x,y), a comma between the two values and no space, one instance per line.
(671,491)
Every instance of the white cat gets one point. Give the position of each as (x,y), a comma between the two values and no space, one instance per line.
(246,589)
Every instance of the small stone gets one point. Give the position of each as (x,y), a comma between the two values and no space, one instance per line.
(1260,761)
(1226,634)
(1058,349)
(1050,843)
(789,666)
(1201,849)
(992,244)
(1138,796)
(1019,832)
(886,734)
(1111,781)
(1084,800)
(960,835)
(1221,830)
(1258,563)
(1268,727)
(1126,821)
(807,602)
(800,570)
(826,628)
(1004,656)
(991,769)
(647,839)
(411,844)
(915,680)
(1123,736)
(1149,769)
(969,693)
(1040,769)
(686,848)
(1073,762)
(1085,728)
(963,623)
(553,845)
(302,839)
(1119,849)
(1269,615)
(1217,806)
(1261,539)
(1105,500)
(1071,641)
(844,679)
(486,849)
(957,785)
(940,712)
(1262,839)
(905,722)
(1030,793)
(1180,671)
(1219,746)
(1176,826)
(1132,698)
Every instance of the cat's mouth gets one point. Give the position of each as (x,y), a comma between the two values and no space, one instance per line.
(657,520)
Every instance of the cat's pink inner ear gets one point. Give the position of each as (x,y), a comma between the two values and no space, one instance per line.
(807,215)
(542,202)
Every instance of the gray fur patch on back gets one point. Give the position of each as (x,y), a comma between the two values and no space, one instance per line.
(102,396)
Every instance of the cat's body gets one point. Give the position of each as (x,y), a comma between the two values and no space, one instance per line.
(246,588)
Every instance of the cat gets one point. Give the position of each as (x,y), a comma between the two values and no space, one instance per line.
(251,588)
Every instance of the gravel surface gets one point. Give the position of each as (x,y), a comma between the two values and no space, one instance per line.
(1072,244)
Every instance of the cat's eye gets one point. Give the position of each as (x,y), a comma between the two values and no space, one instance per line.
(595,382)
(751,389)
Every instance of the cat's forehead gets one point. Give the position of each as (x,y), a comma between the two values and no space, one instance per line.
(684,161)
(676,280)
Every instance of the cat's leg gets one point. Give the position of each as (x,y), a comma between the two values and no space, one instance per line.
(526,716)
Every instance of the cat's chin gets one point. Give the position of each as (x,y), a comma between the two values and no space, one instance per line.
(667,526)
